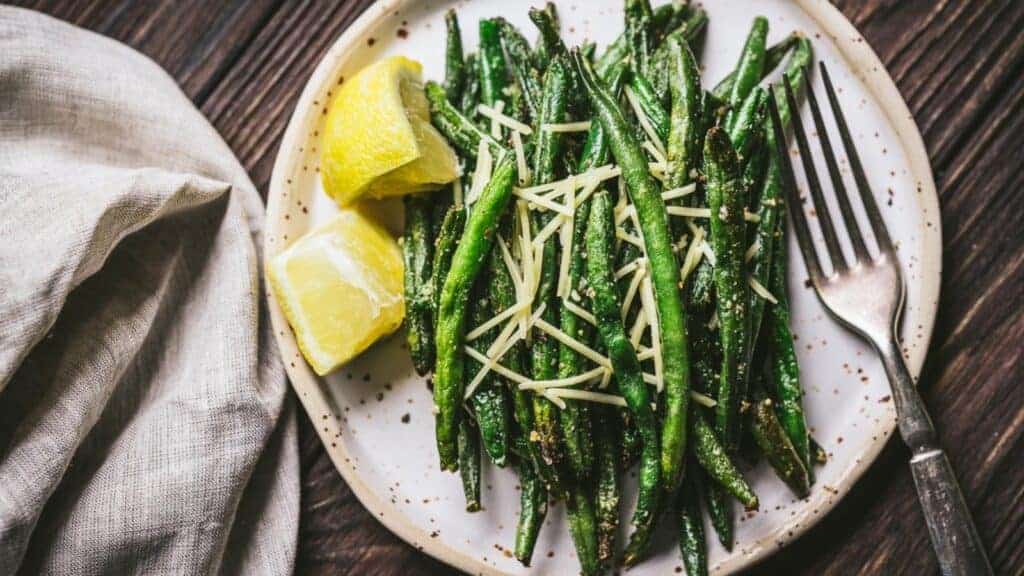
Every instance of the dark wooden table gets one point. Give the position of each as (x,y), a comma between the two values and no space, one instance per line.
(959,65)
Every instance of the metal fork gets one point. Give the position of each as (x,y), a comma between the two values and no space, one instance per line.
(866,295)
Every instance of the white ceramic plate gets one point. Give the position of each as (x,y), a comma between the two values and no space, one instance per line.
(374,415)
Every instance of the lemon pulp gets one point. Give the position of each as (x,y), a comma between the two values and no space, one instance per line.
(340,287)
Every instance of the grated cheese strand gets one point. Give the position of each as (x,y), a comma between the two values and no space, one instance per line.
(645,122)
(636,333)
(760,290)
(582,126)
(599,397)
(587,376)
(521,166)
(497,115)
(621,234)
(494,321)
(647,301)
(571,342)
(679,192)
(482,174)
(542,201)
(634,285)
(497,368)
(693,255)
(554,399)
(754,246)
(577,310)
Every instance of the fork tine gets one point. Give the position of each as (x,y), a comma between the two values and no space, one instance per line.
(803,233)
(824,217)
(864,190)
(852,228)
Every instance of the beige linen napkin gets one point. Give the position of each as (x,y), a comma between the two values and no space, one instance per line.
(144,423)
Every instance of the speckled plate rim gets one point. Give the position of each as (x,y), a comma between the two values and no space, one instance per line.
(861,59)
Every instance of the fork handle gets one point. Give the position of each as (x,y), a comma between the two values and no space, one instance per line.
(952,531)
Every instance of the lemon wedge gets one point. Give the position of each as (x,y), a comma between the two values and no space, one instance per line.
(340,286)
(378,140)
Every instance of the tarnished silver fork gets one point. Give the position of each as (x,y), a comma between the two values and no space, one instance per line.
(866,295)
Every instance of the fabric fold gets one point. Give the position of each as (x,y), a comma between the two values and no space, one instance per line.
(145,425)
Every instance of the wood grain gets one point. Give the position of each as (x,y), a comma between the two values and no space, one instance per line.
(959,65)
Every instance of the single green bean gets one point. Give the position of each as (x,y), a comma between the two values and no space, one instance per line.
(774,56)
(719,505)
(608,490)
(785,371)
(460,131)
(493,75)
(583,529)
(747,123)
(716,462)
(533,507)
(650,104)
(469,463)
(650,208)
(685,134)
(750,68)
(417,251)
(468,260)
(471,92)
(489,401)
(605,301)
(692,544)
(688,32)
(545,49)
(664,19)
(576,423)
(444,249)
(519,56)
(727,201)
(639,34)
(454,63)
(774,443)
(548,150)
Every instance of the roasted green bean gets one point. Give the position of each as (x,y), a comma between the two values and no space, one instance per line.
(727,201)
(605,299)
(468,260)
(650,209)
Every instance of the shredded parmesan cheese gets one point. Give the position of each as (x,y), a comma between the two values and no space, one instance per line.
(760,290)
(655,153)
(621,234)
(571,342)
(678,192)
(542,201)
(648,303)
(587,395)
(629,268)
(587,376)
(636,333)
(754,246)
(521,166)
(577,310)
(495,115)
(457,192)
(482,174)
(645,122)
(634,285)
(693,255)
(491,323)
(567,127)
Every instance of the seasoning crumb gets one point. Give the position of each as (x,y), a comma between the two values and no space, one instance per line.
(406,418)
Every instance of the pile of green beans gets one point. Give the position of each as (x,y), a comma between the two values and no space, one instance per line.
(718,338)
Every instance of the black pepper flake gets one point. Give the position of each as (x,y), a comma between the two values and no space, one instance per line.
(402,33)
(406,418)
(371,41)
